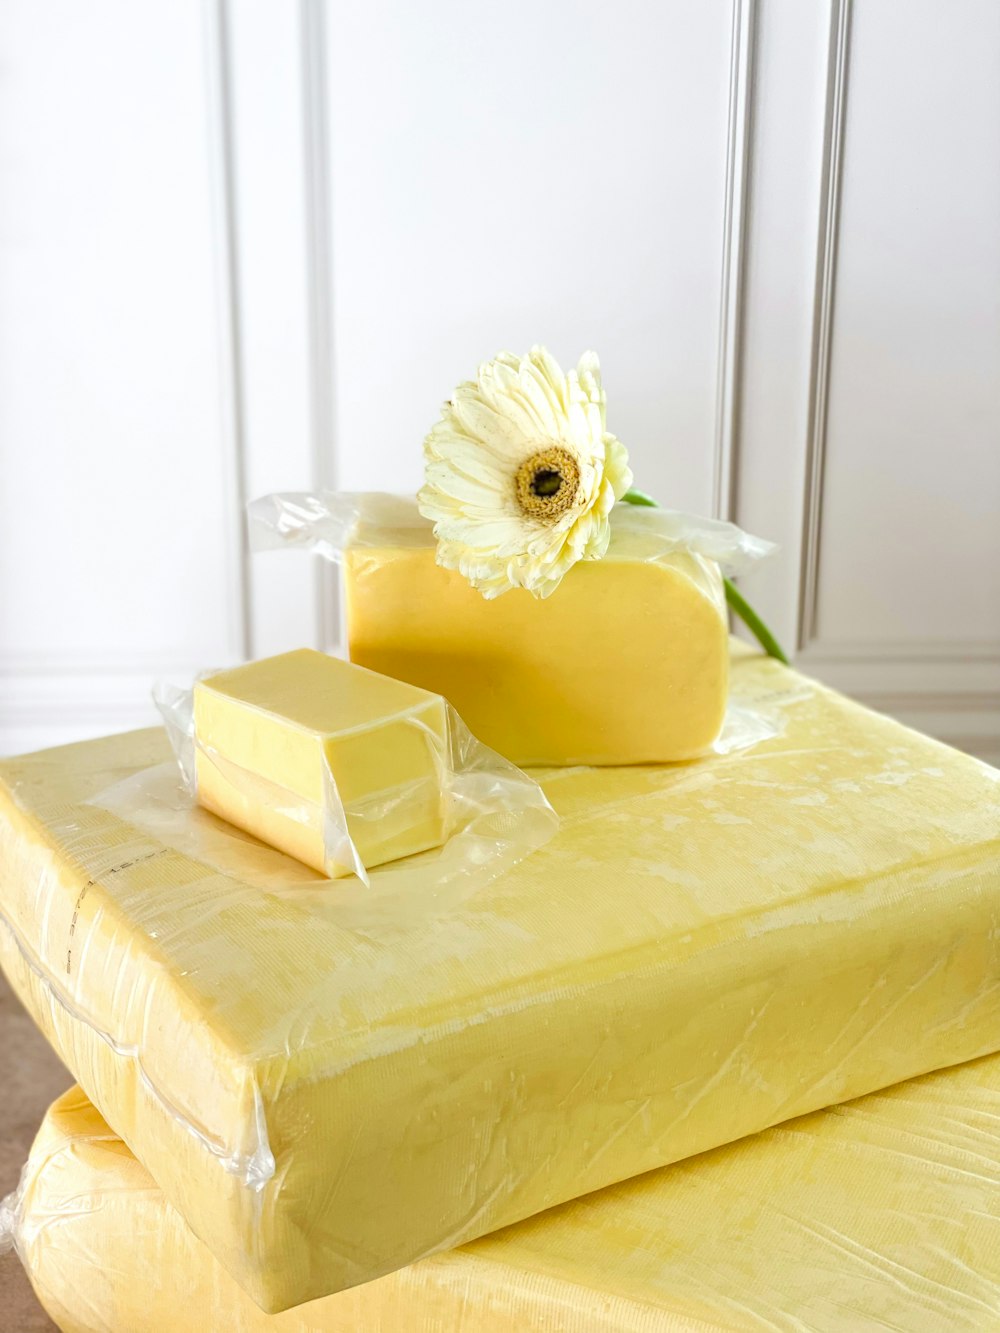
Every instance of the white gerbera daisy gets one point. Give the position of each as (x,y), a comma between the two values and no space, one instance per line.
(521,474)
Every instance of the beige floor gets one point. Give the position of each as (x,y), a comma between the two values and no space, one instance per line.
(30,1078)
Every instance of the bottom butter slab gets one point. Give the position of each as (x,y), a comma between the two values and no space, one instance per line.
(883,1213)
(329,1084)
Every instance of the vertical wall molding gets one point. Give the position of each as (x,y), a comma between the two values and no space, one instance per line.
(226,241)
(319,291)
(823,307)
(734,232)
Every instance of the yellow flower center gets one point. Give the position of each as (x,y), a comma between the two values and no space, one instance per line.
(547,483)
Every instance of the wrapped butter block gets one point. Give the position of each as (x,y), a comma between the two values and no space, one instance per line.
(565,680)
(881,1214)
(323,759)
(329,1086)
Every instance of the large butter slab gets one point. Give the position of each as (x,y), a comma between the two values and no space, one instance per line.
(568,680)
(880,1214)
(329,1086)
(323,759)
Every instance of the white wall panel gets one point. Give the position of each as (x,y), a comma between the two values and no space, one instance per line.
(536,173)
(778,316)
(265,56)
(910,522)
(870,407)
(116,550)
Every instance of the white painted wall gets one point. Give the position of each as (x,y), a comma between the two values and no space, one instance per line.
(534,179)
(870,436)
(246,245)
(119,555)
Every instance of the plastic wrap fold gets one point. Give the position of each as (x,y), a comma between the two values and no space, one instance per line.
(331,1085)
(565,680)
(880,1214)
(331,523)
(490,814)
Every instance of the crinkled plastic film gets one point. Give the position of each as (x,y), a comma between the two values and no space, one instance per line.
(329,1081)
(883,1213)
(10,1216)
(494,815)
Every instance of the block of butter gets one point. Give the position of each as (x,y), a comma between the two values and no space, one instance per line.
(328,1086)
(567,680)
(323,759)
(881,1214)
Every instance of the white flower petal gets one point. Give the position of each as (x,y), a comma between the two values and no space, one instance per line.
(590,364)
(545,403)
(483,423)
(617,469)
(549,367)
(457,485)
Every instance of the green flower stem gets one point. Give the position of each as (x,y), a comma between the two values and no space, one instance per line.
(739,604)
(753,622)
(634,497)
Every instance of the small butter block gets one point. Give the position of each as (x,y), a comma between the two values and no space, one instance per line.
(882,1214)
(626,662)
(284,745)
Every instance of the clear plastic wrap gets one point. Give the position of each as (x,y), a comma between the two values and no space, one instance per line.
(330,523)
(883,1213)
(330,1085)
(491,814)
(10,1216)
(564,680)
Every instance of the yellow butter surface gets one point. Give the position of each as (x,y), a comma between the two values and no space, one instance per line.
(294,747)
(626,662)
(880,1214)
(330,1086)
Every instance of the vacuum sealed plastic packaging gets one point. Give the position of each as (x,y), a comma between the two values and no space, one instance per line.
(880,1214)
(564,680)
(329,1085)
(346,769)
